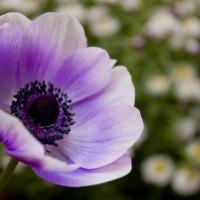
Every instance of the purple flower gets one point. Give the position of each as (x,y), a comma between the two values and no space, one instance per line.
(64,110)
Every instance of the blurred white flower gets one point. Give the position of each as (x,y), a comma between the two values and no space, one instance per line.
(101,23)
(186,82)
(157,84)
(197,4)
(192,46)
(63,1)
(161,24)
(193,151)
(25,6)
(130,5)
(185,128)
(107,1)
(186,181)
(75,9)
(188,90)
(186,35)
(157,169)
(183,71)
(104,26)
(96,13)
(177,41)
(185,7)
(190,27)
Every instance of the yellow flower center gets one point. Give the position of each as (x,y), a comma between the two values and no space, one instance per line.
(159,167)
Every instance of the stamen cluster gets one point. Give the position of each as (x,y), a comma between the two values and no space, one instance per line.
(45,111)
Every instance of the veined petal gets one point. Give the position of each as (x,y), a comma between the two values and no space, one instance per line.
(47,41)
(19,143)
(83,73)
(10,40)
(104,138)
(15,18)
(120,91)
(86,177)
(54,165)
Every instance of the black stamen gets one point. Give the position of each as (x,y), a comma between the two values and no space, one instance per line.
(45,110)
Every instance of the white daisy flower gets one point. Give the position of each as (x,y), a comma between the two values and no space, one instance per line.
(188,90)
(193,151)
(104,26)
(157,84)
(157,169)
(191,27)
(131,5)
(185,7)
(96,12)
(192,46)
(161,24)
(24,6)
(185,128)
(74,8)
(107,1)
(177,41)
(183,71)
(186,82)
(186,181)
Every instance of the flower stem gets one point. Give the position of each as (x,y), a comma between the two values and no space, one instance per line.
(7,172)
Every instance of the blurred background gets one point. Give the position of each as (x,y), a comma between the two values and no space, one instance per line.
(159,42)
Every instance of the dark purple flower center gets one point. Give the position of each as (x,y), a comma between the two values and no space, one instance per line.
(44,110)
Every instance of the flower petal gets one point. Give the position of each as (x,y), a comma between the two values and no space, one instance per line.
(54,165)
(15,18)
(10,40)
(104,138)
(84,72)
(113,62)
(19,143)
(48,40)
(86,177)
(120,91)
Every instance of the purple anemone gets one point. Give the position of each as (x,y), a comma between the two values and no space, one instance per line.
(64,110)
